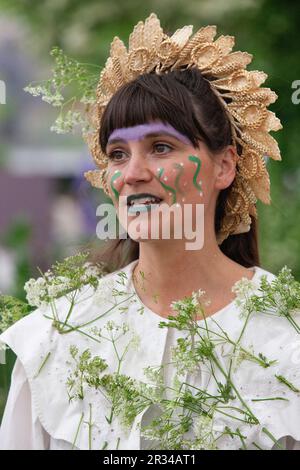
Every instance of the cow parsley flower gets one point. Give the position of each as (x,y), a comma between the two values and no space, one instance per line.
(37,292)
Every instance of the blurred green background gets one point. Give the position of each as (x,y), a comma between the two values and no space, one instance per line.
(47,210)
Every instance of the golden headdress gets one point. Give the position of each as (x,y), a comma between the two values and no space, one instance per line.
(150,49)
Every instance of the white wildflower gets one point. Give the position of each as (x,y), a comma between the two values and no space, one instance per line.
(178,305)
(197,297)
(239,355)
(205,429)
(90,271)
(59,284)
(135,341)
(236,358)
(243,287)
(153,374)
(66,123)
(113,327)
(36,90)
(103,292)
(201,424)
(55,100)
(87,99)
(95,331)
(55,289)
(36,290)
(59,126)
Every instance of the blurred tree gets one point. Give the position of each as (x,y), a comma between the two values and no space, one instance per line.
(16,239)
(87,28)
(270,32)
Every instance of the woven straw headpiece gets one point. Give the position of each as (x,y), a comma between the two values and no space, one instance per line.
(151,50)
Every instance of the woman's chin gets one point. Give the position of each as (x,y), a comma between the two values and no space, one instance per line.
(141,234)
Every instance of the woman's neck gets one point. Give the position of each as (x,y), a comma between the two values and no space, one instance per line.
(167,273)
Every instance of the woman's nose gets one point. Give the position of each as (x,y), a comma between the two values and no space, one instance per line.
(137,169)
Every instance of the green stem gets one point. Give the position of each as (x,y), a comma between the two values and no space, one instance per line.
(42,365)
(70,309)
(283,380)
(75,329)
(97,318)
(91,65)
(80,421)
(230,416)
(109,420)
(238,341)
(54,311)
(238,432)
(257,446)
(268,399)
(90,427)
(256,421)
(292,321)
(267,432)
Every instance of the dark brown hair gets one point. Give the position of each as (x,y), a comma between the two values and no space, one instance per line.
(168,97)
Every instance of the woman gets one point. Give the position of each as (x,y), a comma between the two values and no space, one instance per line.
(170,136)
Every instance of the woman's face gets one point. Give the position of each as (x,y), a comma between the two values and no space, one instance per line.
(155,158)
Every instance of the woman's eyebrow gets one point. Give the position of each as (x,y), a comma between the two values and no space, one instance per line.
(149,135)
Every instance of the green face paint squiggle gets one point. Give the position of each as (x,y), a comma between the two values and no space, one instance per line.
(168,188)
(113,178)
(197,160)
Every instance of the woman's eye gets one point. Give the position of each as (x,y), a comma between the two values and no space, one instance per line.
(163,145)
(113,155)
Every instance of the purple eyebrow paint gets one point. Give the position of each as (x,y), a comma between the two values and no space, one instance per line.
(142,130)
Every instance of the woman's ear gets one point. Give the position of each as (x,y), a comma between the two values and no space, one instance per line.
(225,168)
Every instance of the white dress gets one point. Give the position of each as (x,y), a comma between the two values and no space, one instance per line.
(38,414)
